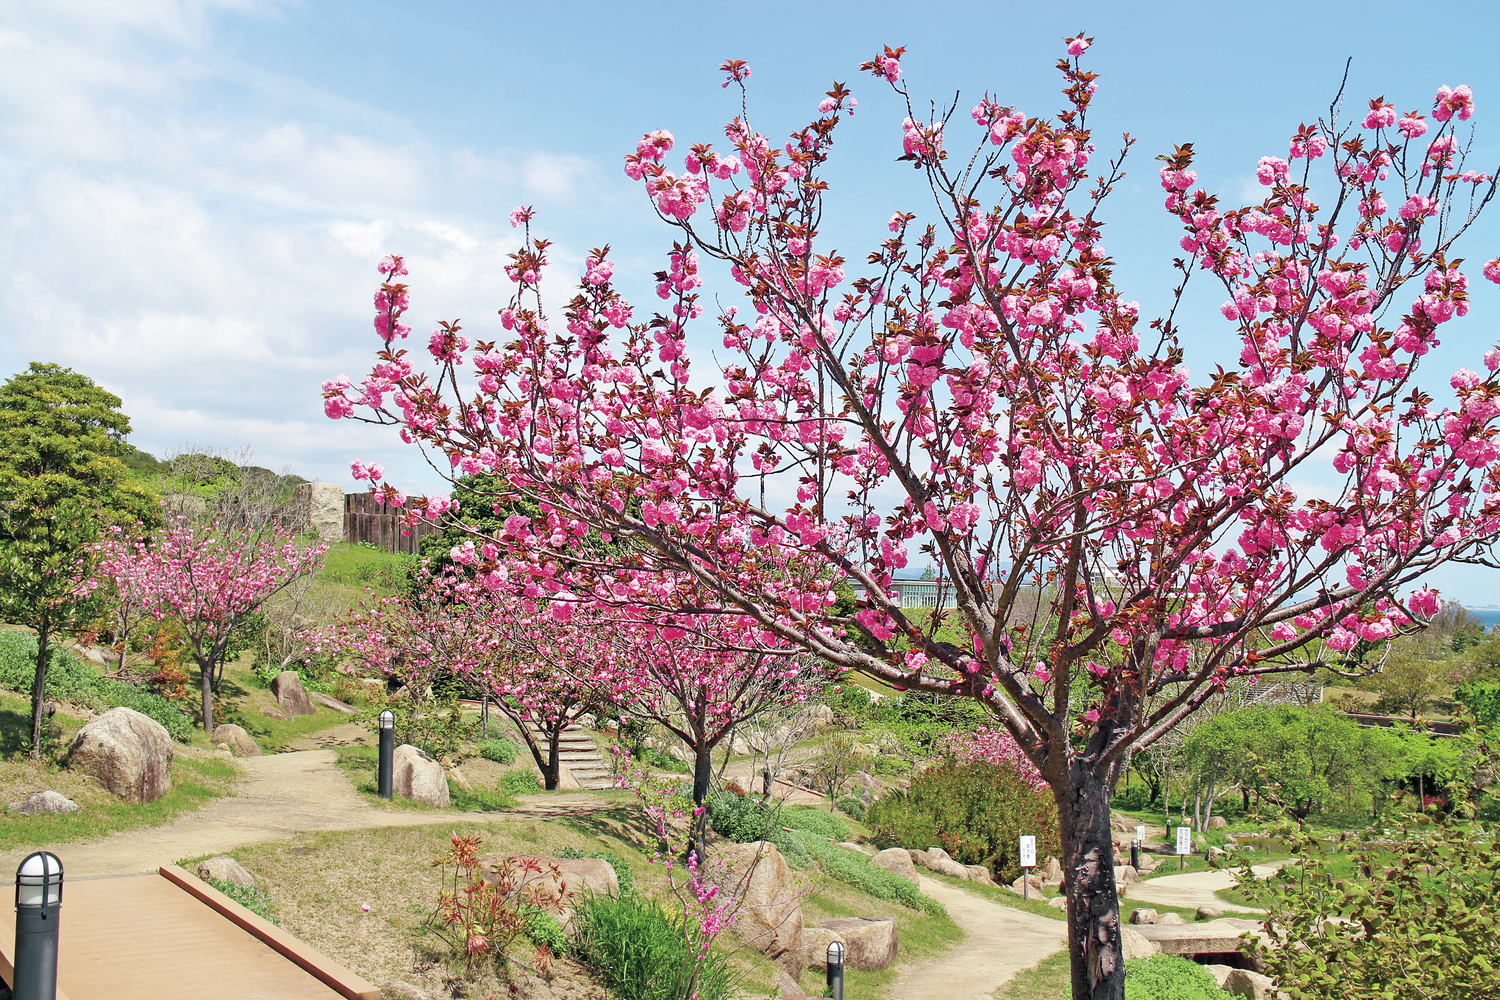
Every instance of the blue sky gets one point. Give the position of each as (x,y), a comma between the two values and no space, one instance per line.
(195,194)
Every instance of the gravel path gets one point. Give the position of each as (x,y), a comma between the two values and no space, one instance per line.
(999,942)
(1194,889)
(280,796)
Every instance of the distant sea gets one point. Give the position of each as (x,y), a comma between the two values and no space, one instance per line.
(1489,616)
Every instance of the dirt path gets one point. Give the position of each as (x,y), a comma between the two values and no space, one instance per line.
(280,796)
(1194,889)
(998,943)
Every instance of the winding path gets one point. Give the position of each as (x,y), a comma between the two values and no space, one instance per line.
(999,942)
(1195,889)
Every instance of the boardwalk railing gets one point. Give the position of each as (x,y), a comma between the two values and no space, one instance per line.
(368,520)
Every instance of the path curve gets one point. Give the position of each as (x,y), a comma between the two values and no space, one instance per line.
(1195,889)
(999,942)
(279,796)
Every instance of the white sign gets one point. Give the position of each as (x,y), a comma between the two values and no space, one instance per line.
(1028,852)
(1140,834)
(1184,840)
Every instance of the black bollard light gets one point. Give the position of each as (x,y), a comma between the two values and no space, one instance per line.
(766,774)
(836,969)
(1135,854)
(39,883)
(387,751)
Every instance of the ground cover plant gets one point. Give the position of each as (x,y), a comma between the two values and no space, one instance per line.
(986,369)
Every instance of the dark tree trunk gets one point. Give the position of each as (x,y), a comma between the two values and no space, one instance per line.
(206,683)
(39,684)
(703,773)
(550,769)
(1094,944)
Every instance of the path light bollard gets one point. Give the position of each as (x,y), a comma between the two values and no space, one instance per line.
(39,883)
(836,969)
(387,751)
(766,774)
(1135,854)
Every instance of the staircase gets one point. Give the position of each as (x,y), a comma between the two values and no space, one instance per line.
(579,756)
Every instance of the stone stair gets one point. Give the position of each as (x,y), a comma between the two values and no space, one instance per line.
(579,755)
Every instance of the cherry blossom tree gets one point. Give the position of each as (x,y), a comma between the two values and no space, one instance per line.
(1120,537)
(207,577)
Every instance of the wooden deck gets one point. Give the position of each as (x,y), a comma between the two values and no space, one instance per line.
(168,935)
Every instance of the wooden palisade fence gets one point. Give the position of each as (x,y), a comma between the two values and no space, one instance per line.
(366,519)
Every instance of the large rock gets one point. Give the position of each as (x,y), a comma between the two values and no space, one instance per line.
(573,877)
(939,861)
(770,916)
(1244,983)
(290,694)
(1052,871)
(1220,973)
(126,752)
(813,945)
(1126,874)
(241,743)
(44,802)
(320,508)
(980,874)
(1148,863)
(870,943)
(416,776)
(1137,945)
(1143,915)
(1209,913)
(1170,919)
(1217,823)
(864,849)
(898,860)
(329,702)
(225,869)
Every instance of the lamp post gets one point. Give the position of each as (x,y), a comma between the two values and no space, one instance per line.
(836,969)
(39,883)
(387,751)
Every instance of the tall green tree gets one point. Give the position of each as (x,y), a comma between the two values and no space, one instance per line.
(61,479)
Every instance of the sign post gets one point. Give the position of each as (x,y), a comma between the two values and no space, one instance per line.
(1184,845)
(1028,862)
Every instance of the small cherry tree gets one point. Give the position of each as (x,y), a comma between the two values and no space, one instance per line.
(208,578)
(1119,538)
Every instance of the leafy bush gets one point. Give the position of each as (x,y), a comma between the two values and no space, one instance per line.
(522,781)
(742,819)
(824,824)
(542,928)
(501,751)
(975,811)
(623,872)
(250,897)
(1169,977)
(70,679)
(644,954)
(853,868)
(853,806)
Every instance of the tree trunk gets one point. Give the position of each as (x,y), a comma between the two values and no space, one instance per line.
(39,684)
(551,770)
(703,772)
(1094,941)
(206,682)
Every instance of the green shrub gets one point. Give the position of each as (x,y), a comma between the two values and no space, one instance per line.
(824,824)
(743,820)
(542,928)
(70,679)
(853,807)
(1169,977)
(974,811)
(623,872)
(853,868)
(522,781)
(251,898)
(499,750)
(644,954)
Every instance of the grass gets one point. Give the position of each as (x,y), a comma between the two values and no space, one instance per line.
(197,779)
(1051,979)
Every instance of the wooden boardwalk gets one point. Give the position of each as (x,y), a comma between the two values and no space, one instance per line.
(168,936)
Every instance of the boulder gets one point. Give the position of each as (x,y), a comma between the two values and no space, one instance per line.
(225,869)
(276,713)
(574,877)
(1052,871)
(1058,902)
(1126,874)
(1168,919)
(333,703)
(1137,945)
(1034,880)
(980,874)
(898,860)
(938,861)
(1220,973)
(770,916)
(44,802)
(812,946)
(1143,915)
(290,694)
(1148,863)
(240,743)
(787,987)
(320,508)
(870,943)
(1217,823)
(1244,983)
(864,849)
(918,858)
(416,776)
(1209,913)
(126,752)
(818,715)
